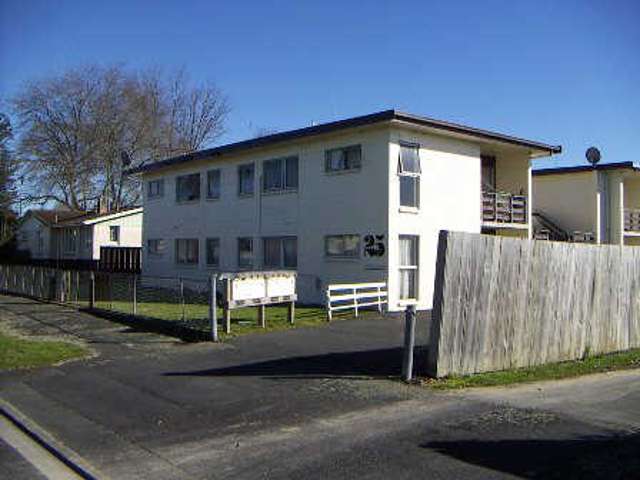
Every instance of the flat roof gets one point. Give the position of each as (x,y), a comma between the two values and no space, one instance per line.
(373,118)
(586,168)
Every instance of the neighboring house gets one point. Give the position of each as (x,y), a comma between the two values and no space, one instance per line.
(63,234)
(355,200)
(7,222)
(600,204)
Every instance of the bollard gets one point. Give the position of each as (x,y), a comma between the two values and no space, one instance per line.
(409,341)
(213,308)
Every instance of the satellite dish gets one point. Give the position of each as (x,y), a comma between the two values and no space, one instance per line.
(126,159)
(593,155)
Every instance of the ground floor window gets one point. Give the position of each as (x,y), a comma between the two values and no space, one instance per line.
(155,246)
(187,251)
(213,252)
(280,252)
(342,246)
(245,252)
(408,267)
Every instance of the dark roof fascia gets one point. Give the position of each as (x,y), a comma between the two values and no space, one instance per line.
(384,116)
(585,168)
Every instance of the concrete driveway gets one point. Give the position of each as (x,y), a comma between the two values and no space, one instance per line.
(308,403)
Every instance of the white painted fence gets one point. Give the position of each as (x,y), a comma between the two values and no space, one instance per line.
(347,296)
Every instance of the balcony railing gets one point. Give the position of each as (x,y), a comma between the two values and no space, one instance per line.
(504,208)
(632,220)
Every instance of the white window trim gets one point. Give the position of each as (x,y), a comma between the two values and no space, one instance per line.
(416,268)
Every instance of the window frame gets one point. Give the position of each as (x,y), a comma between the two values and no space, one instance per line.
(240,168)
(206,252)
(182,178)
(358,252)
(177,252)
(248,266)
(407,175)
(347,168)
(412,268)
(284,175)
(160,193)
(159,251)
(281,252)
(208,177)
(69,233)
(112,229)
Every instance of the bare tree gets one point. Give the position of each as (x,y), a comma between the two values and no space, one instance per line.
(81,131)
(7,166)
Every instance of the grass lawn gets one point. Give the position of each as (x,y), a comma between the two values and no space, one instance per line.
(243,320)
(17,352)
(554,371)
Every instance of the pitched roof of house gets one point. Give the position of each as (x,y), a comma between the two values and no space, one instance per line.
(92,217)
(379,117)
(587,168)
(67,218)
(54,216)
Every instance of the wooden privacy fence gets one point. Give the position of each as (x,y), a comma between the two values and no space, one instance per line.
(347,296)
(120,259)
(503,303)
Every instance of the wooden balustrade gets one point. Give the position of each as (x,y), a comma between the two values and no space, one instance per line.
(504,208)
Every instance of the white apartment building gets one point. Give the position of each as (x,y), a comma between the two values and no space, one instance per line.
(356,200)
(601,203)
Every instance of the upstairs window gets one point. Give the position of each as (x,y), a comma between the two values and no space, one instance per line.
(245,253)
(188,188)
(343,159)
(246,177)
(155,188)
(187,251)
(409,173)
(214,178)
(342,246)
(280,174)
(114,233)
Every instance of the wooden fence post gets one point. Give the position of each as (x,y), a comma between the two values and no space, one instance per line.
(213,307)
(409,341)
(92,291)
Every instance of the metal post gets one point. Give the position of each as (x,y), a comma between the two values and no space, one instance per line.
(135,294)
(379,300)
(262,316)
(213,308)
(292,312)
(92,291)
(182,297)
(227,311)
(409,341)
(355,301)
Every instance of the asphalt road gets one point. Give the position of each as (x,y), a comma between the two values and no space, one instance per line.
(309,403)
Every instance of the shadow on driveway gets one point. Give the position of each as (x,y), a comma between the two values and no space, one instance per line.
(615,456)
(370,364)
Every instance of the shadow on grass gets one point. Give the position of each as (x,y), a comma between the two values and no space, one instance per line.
(370,364)
(614,456)
(171,328)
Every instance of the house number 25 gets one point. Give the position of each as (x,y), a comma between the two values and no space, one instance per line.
(374,246)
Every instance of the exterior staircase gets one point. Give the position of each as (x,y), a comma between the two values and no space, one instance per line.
(546,229)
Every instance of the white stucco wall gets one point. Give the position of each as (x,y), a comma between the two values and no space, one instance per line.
(324,204)
(362,202)
(130,233)
(449,200)
(568,199)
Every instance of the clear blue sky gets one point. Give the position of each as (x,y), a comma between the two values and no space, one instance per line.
(561,72)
